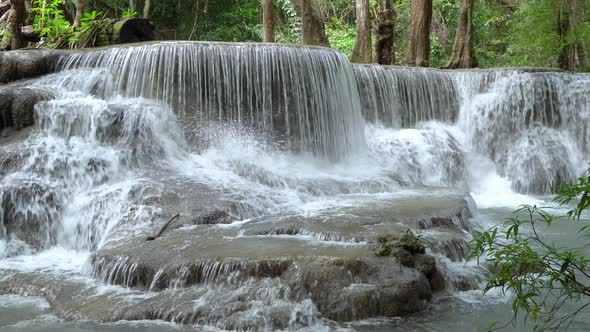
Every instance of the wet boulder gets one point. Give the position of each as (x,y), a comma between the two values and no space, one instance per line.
(17,106)
(13,151)
(31,212)
(410,251)
(352,289)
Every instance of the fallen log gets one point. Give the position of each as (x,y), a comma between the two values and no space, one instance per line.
(132,30)
(100,33)
(29,34)
(110,32)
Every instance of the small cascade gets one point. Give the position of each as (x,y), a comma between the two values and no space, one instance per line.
(429,155)
(73,185)
(31,212)
(400,97)
(534,126)
(305,98)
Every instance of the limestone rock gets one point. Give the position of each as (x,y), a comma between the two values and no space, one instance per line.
(17,106)
(30,212)
(16,65)
(352,289)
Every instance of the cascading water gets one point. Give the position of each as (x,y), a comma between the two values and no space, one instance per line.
(533,126)
(263,152)
(304,97)
(537,133)
(402,97)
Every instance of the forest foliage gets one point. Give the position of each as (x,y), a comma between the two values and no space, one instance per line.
(505,32)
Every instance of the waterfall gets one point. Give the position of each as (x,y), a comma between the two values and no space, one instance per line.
(279,166)
(533,125)
(305,98)
(400,97)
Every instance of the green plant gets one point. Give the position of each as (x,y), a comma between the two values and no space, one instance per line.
(342,35)
(383,249)
(90,16)
(49,22)
(388,244)
(49,19)
(4,33)
(289,27)
(413,241)
(534,37)
(129,13)
(544,277)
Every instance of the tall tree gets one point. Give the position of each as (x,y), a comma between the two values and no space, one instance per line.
(363,50)
(571,56)
(80,8)
(384,51)
(463,55)
(147,8)
(14,20)
(313,30)
(418,51)
(268,20)
(132,5)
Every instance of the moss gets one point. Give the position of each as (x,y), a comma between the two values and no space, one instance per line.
(118,26)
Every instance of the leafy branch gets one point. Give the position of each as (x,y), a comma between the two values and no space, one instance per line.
(543,276)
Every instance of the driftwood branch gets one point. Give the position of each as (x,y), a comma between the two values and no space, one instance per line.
(4,7)
(3,16)
(151,238)
(4,10)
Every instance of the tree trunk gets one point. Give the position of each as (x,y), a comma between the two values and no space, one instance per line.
(14,21)
(147,8)
(132,5)
(418,52)
(80,9)
(268,21)
(384,52)
(463,55)
(571,56)
(363,50)
(194,31)
(313,31)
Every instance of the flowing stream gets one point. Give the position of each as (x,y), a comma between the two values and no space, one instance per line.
(294,135)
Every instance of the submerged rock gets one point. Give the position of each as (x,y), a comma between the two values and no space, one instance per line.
(245,278)
(324,259)
(353,289)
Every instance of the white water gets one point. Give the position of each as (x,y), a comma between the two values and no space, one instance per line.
(100,147)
